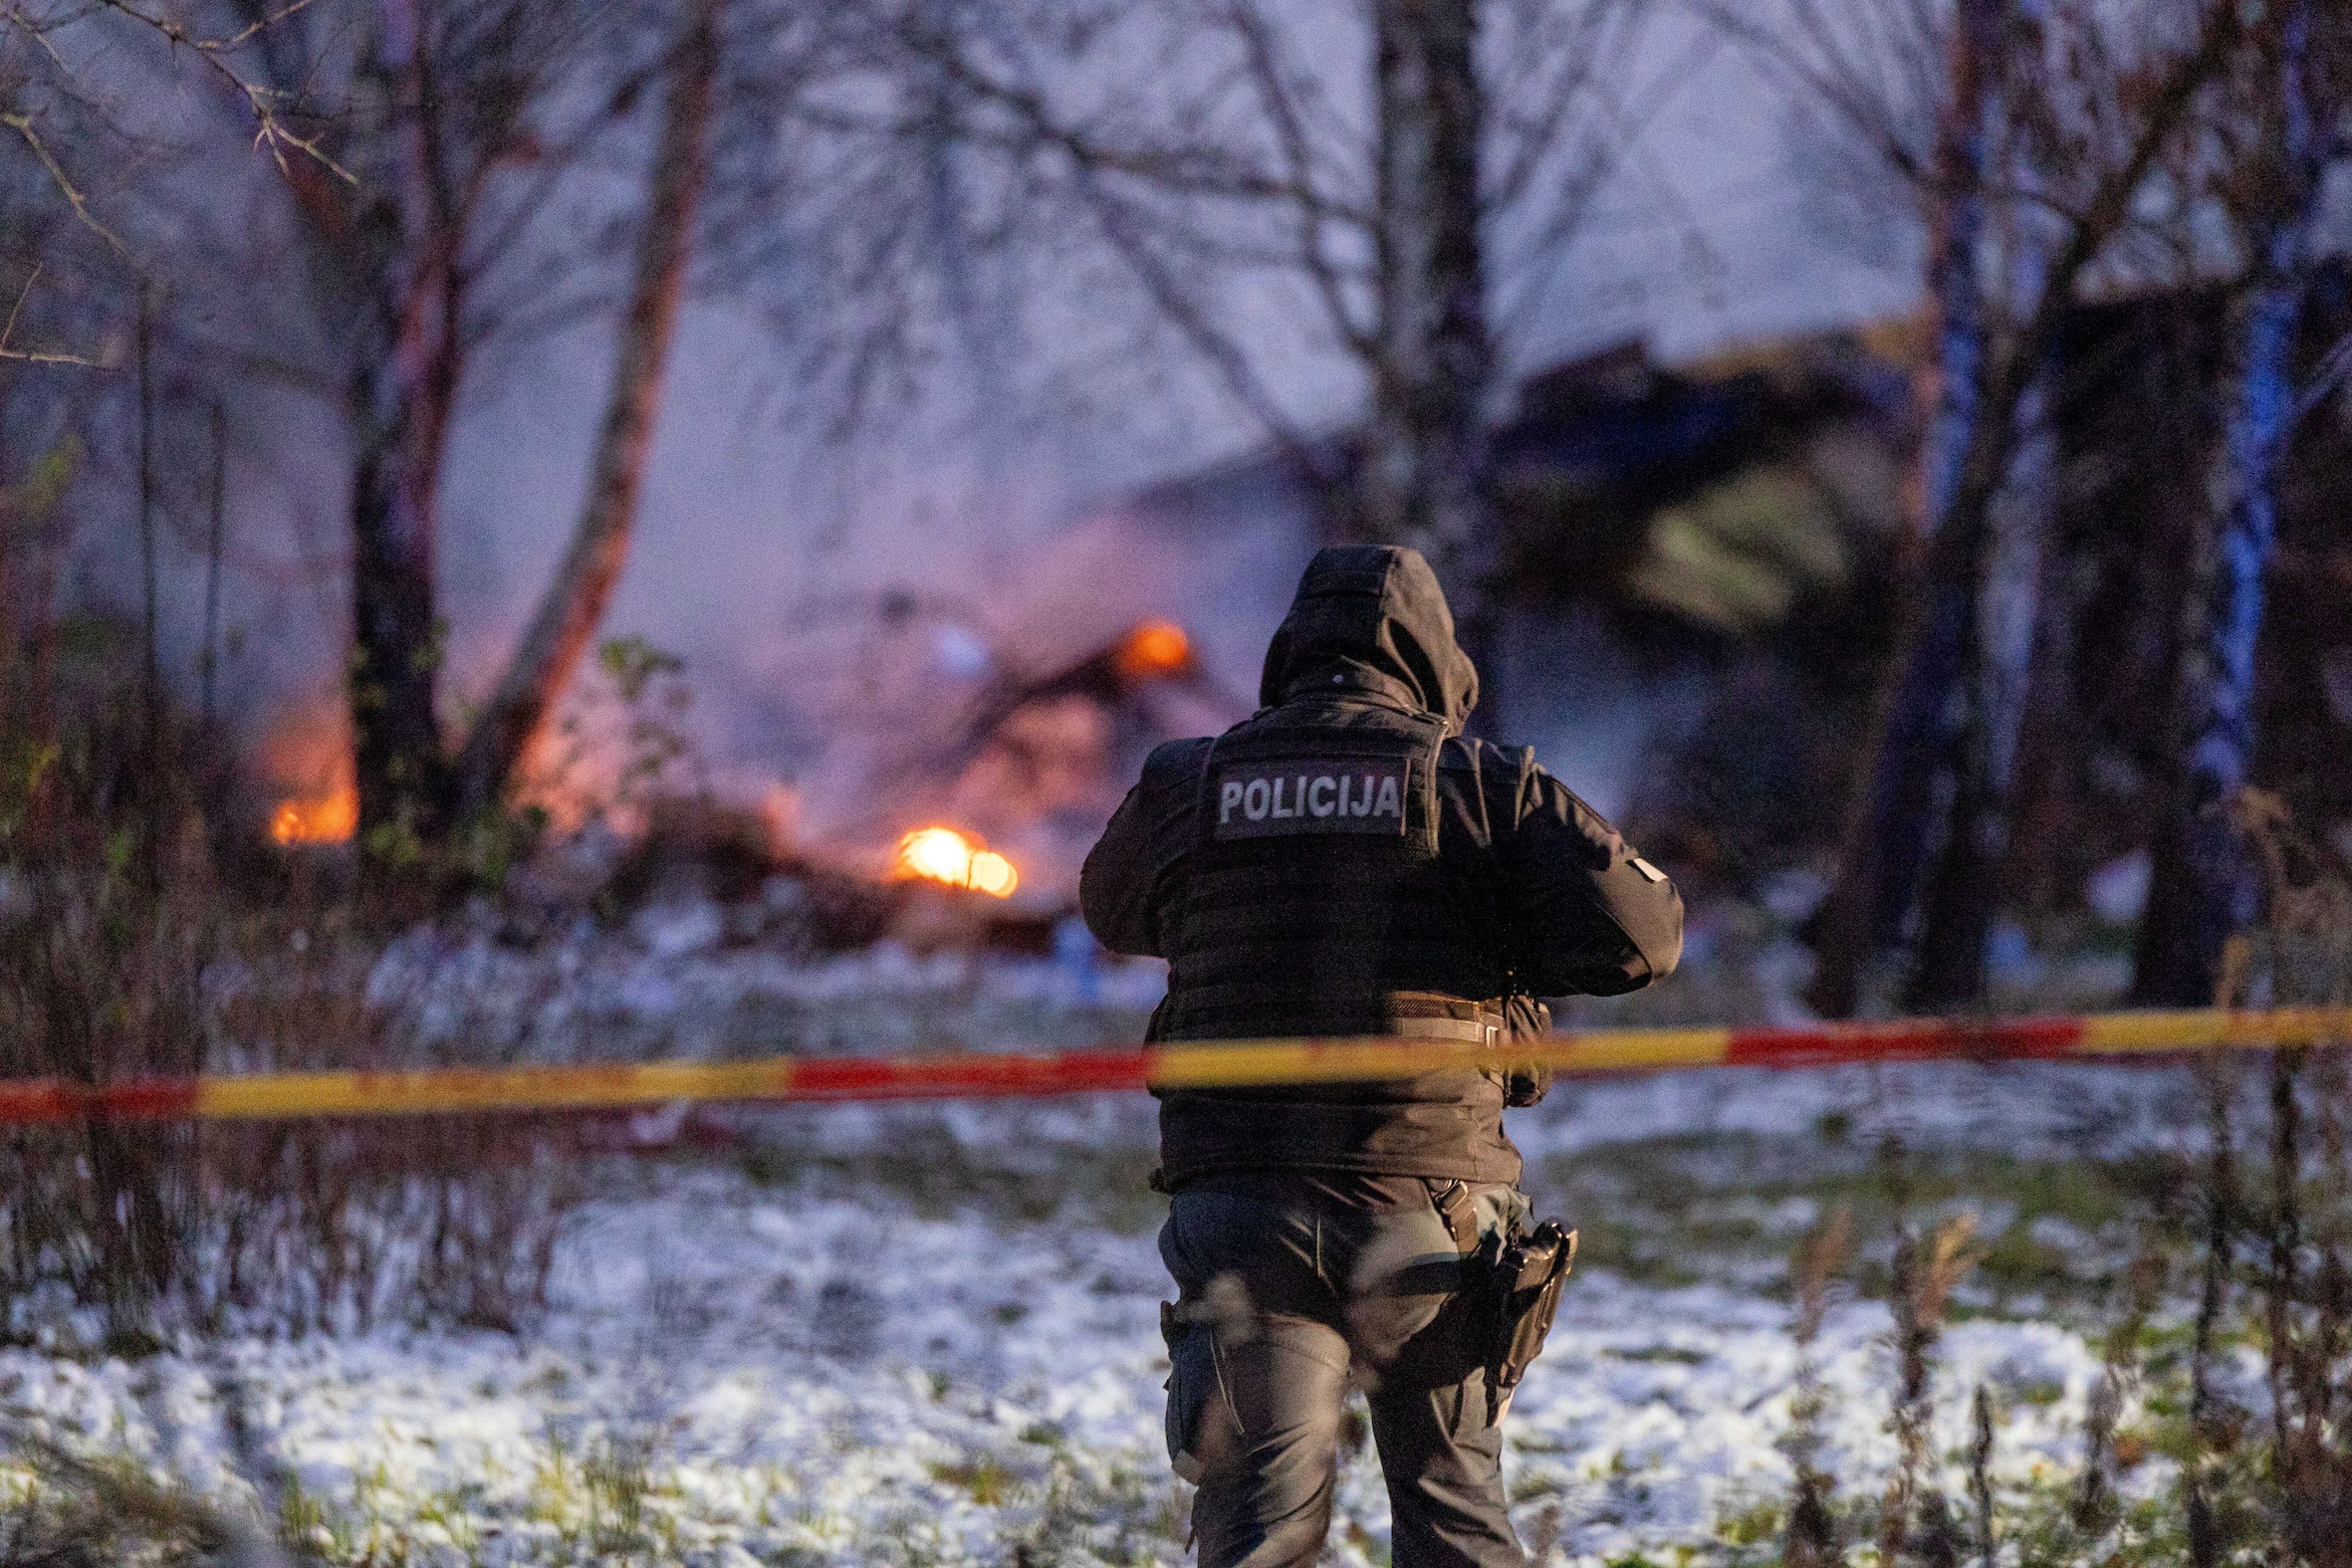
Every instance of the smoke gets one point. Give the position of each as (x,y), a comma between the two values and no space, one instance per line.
(839,607)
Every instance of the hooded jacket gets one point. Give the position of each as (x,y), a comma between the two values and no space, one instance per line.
(1346,862)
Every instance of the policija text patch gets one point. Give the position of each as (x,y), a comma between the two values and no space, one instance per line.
(1335,795)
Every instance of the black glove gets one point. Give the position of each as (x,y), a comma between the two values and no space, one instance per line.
(1526,1019)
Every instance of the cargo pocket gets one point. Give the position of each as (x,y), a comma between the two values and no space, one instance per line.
(1192,1388)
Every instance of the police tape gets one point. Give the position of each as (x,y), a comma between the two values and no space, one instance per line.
(1204,1065)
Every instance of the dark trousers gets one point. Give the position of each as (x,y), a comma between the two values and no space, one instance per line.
(1287,1294)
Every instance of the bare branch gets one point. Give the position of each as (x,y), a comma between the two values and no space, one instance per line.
(41,357)
(9,331)
(2103,215)
(2333,368)
(36,357)
(1311,214)
(254,28)
(23,125)
(270,131)
(1557,94)
(1193,322)
(1836,83)
(1195,170)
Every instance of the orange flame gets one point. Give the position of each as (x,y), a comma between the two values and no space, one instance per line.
(941,854)
(1153,649)
(327,819)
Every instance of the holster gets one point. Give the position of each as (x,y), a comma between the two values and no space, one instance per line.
(1521,1289)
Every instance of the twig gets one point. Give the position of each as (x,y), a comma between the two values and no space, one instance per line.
(2331,370)
(1290,133)
(1980,1474)
(23,125)
(151,682)
(1118,224)
(218,523)
(2096,1497)
(9,330)
(36,356)
(48,357)
(268,130)
(1811,1541)
(1924,1273)
(2207,1544)
(1189,170)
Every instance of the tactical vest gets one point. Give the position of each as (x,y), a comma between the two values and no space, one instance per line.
(1314,902)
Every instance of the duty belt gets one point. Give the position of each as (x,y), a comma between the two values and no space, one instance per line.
(1485,1029)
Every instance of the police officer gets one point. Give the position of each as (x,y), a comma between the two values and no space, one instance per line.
(1345,862)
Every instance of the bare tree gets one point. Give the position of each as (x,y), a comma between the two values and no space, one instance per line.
(463,192)
(2295,91)
(1261,162)
(84,259)
(2056,165)
(574,600)
(67,277)
(1425,458)
(453,130)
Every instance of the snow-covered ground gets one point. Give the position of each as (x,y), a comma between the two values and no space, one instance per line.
(703,978)
(807,1379)
(851,1366)
(928,1335)
(669,983)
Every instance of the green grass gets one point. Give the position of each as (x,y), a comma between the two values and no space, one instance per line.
(1729,1208)
(1716,1208)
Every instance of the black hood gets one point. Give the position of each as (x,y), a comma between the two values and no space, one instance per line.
(1372,618)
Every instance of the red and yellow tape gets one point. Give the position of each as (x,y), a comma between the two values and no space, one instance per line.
(1221,1064)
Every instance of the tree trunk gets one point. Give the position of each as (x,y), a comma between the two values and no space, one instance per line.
(1424,480)
(574,600)
(1884,844)
(396,629)
(404,381)
(2040,866)
(1933,791)
(2202,889)
(1958,903)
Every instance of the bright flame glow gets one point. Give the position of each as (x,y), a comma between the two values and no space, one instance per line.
(328,819)
(1154,648)
(941,854)
(993,874)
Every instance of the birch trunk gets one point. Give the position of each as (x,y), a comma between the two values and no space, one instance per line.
(2202,889)
(1884,842)
(1960,896)
(1424,475)
(1930,811)
(576,600)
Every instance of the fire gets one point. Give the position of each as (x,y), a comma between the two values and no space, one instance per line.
(327,819)
(1154,648)
(941,854)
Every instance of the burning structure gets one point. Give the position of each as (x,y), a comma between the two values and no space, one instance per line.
(1700,564)
(321,819)
(1690,553)
(943,855)
(1700,567)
